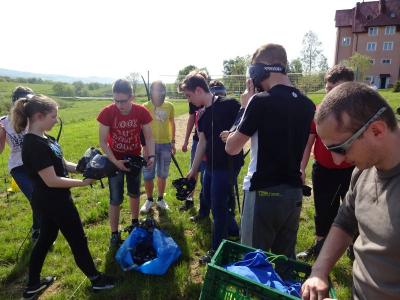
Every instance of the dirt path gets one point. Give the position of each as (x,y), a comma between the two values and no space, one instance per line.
(180,125)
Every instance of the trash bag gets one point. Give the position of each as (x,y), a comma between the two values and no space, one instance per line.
(135,252)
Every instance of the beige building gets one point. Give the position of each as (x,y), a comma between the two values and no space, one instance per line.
(373,29)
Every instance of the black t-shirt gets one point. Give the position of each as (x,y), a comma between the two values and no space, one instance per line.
(281,117)
(37,154)
(223,113)
(192,111)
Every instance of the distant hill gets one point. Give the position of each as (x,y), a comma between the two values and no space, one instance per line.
(53,77)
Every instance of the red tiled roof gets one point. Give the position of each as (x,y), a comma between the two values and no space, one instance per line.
(367,14)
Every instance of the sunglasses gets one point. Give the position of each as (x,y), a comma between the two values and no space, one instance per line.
(344,147)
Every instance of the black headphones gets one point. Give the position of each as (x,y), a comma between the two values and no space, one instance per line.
(259,72)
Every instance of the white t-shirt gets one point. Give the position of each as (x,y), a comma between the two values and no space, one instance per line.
(253,162)
(14,140)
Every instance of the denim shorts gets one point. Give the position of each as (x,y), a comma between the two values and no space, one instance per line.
(116,186)
(161,162)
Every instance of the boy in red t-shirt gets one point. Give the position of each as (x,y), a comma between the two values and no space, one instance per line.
(120,124)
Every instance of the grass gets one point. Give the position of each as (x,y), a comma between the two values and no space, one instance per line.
(182,281)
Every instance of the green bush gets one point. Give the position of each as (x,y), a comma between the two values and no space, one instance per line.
(396,87)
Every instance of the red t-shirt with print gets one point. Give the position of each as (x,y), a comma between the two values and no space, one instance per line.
(322,155)
(124,135)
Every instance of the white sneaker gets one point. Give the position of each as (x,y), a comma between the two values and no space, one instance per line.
(162,204)
(146,207)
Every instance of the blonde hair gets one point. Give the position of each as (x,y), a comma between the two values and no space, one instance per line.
(24,108)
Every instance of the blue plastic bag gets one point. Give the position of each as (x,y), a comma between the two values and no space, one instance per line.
(256,266)
(165,247)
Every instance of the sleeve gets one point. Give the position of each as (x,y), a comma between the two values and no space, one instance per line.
(192,109)
(248,125)
(105,116)
(41,158)
(145,116)
(346,219)
(200,122)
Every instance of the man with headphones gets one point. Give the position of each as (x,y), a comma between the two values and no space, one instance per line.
(277,120)
(163,130)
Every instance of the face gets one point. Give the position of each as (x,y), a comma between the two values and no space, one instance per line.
(157,95)
(49,120)
(123,102)
(195,97)
(361,152)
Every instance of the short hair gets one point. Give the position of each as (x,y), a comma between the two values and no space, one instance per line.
(359,101)
(194,80)
(122,86)
(339,73)
(217,88)
(158,83)
(20,92)
(270,54)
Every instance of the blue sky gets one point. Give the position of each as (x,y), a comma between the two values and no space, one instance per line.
(114,38)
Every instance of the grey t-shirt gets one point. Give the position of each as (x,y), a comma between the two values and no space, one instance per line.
(372,205)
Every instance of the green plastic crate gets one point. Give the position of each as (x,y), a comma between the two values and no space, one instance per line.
(222,284)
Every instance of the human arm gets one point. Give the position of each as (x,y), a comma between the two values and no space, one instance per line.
(103,137)
(306,156)
(198,157)
(2,138)
(149,151)
(51,179)
(189,128)
(173,130)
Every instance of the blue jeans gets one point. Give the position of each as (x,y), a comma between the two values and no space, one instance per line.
(116,185)
(162,162)
(205,204)
(218,186)
(20,175)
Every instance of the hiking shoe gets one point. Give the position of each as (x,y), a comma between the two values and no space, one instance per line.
(197,218)
(32,292)
(103,282)
(311,252)
(186,206)
(162,204)
(146,207)
(205,259)
(115,240)
(350,252)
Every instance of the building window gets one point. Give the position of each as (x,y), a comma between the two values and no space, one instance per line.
(371,46)
(386,61)
(373,31)
(346,41)
(372,61)
(387,46)
(390,30)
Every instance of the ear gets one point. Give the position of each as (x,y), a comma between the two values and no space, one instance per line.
(379,128)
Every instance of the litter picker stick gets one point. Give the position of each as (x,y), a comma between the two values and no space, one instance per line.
(176,164)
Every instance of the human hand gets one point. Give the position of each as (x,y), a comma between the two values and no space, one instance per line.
(184,147)
(224,135)
(150,162)
(88,181)
(315,288)
(248,93)
(120,164)
(173,149)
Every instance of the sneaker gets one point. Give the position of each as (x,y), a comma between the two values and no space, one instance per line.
(103,282)
(146,207)
(311,252)
(186,206)
(162,204)
(197,218)
(115,240)
(205,259)
(34,291)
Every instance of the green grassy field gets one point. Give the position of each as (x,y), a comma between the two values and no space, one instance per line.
(183,280)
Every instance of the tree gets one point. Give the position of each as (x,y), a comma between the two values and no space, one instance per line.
(236,66)
(134,79)
(183,72)
(295,66)
(311,54)
(360,65)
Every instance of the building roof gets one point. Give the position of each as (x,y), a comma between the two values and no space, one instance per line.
(367,14)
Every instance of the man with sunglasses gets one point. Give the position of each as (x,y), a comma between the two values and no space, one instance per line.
(330,181)
(278,121)
(358,126)
(120,124)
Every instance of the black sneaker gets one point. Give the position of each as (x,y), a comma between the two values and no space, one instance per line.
(205,259)
(115,240)
(103,282)
(33,292)
(186,206)
(311,252)
(198,218)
